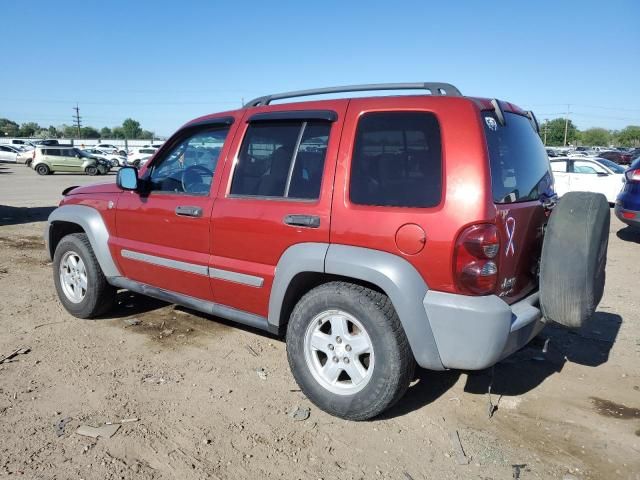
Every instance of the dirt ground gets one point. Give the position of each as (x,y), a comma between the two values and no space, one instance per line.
(213,400)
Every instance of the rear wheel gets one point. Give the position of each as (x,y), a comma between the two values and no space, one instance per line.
(82,287)
(574,256)
(43,169)
(347,350)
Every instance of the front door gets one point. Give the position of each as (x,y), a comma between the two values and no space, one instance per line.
(163,232)
(276,194)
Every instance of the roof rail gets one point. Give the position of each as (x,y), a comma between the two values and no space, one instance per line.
(436,88)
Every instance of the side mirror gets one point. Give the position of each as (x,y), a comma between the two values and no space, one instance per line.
(127,178)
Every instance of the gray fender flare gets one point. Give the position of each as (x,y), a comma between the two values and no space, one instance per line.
(93,225)
(299,258)
(391,273)
(404,286)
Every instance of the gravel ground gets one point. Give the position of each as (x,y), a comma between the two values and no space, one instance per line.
(204,411)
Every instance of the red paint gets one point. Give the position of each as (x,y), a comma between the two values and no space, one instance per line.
(248,235)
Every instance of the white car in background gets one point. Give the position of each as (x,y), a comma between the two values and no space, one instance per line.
(597,175)
(107,147)
(115,159)
(139,156)
(15,154)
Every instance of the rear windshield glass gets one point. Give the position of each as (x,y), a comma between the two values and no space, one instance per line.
(519,162)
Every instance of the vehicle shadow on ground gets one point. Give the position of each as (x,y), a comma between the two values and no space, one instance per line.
(4,169)
(628,234)
(17,215)
(524,370)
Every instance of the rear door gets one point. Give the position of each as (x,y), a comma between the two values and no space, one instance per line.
(520,179)
(281,178)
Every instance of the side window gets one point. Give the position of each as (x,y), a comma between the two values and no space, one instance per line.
(586,167)
(52,151)
(188,168)
(282,159)
(560,167)
(397,160)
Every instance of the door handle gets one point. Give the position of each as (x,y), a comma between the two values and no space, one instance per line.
(309,221)
(187,211)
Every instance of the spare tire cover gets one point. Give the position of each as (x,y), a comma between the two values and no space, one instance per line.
(574,256)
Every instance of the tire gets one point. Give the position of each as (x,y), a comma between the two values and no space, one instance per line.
(574,257)
(98,296)
(389,367)
(42,169)
(91,170)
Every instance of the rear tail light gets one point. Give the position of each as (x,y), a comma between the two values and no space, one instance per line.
(629,215)
(633,175)
(475,259)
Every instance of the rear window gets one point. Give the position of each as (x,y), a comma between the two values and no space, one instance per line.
(519,162)
(397,160)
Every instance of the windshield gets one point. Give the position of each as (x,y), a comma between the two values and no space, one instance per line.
(77,151)
(613,166)
(520,168)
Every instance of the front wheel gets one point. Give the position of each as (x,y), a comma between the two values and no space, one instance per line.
(91,170)
(82,287)
(42,169)
(348,351)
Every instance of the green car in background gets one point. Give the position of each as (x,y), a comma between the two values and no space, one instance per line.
(56,158)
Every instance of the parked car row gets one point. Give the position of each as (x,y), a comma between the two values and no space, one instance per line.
(621,156)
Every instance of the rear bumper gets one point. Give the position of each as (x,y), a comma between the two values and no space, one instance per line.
(473,333)
(630,217)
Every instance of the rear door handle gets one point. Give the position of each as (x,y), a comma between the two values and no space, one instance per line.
(309,221)
(187,211)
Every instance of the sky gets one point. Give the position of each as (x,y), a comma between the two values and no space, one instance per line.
(164,63)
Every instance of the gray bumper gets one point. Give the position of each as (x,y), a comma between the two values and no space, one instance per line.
(473,333)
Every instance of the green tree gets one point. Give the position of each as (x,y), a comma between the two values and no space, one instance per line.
(146,135)
(28,129)
(8,128)
(131,128)
(629,136)
(117,132)
(52,132)
(105,132)
(69,131)
(554,131)
(596,136)
(89,132)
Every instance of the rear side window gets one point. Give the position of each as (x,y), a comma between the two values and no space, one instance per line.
(52,151)
(397,160)
(282,159)
(519,162)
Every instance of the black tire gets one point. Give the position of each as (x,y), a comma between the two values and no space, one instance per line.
(91,170)
(394,363)
(100,296)
(574,257)
(42,169)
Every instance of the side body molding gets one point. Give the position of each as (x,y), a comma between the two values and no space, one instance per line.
(92,223)
(404,286)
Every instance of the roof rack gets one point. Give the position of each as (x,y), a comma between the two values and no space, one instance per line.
(436,88)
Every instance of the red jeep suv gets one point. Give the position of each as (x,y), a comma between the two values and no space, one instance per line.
(375,233)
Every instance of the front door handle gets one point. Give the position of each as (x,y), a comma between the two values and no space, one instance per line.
(187,211)
(309,221)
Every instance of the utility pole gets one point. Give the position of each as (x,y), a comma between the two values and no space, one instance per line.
(566,125)
(77,118)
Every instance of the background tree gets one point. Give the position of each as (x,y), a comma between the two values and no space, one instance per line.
(131,128)
(105,132)
(629,136)
(146,135)
(117,132)
(8,128)
(596,136)
(28,129)
(52,132)
(555,132)
(69,131)
(89,132)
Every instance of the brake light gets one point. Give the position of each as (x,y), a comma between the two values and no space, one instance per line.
(633,175)
(475,259)
(629,215)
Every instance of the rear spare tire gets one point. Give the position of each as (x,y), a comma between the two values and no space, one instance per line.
(574,256)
